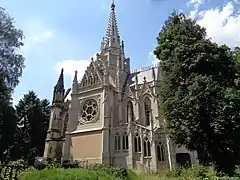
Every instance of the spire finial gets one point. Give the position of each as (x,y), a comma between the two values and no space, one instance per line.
(113,5)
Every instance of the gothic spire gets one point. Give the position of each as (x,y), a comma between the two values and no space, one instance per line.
(112,35)
(60,84)
(59,91)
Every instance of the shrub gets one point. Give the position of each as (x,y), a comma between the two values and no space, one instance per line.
(119,173)
(17,166)
(68,164)
(52,164)
(40,165)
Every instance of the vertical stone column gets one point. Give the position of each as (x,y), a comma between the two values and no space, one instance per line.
(131,144)
(142,148)
(153,147)
(71,126)
(106,138)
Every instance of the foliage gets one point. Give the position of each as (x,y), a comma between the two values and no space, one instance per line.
(33,115)
(119,173)
(11,63)
(198,94)
(7,120)
(179,173)
(69,174)
(68,164)
(12,169)
(39,165)
(52,164)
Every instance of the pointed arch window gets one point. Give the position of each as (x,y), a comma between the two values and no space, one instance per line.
(137,143)
(147,110)
(117,142)
(160,152)
(147,147)
(95,78)
(125,145)
(130,115)
(91,79)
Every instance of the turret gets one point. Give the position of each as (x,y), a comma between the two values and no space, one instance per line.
(59,91)
(53,143)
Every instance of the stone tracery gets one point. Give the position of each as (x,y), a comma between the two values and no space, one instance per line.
(89,110)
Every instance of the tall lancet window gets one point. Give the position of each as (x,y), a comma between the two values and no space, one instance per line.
(160,152)
(147,110)
(125,141)
(147,147)
(117,142)
(130,115)
(137,143)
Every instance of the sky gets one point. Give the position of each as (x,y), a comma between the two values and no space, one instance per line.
(66,34)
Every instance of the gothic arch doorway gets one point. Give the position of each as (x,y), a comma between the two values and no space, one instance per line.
(183,159)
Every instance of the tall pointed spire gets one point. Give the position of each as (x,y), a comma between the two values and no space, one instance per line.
(112,35)
(60,83)
(59,91)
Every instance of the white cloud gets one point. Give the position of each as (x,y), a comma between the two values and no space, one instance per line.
(70,66)
(47,35)
(222,23)
(195,4)
(152,58)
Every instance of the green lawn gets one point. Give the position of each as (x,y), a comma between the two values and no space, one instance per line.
(66,174)
(104,172)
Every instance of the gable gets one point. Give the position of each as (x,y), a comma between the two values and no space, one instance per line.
(93,76)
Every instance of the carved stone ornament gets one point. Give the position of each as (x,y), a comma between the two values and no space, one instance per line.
(89,111)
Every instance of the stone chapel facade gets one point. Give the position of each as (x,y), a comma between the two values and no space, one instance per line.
(113,115)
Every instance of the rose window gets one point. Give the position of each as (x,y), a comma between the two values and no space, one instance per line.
(89,110)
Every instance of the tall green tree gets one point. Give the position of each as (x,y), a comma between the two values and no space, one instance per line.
(7,120)
(11,65)
(33,122)
(11,62)
(196,92)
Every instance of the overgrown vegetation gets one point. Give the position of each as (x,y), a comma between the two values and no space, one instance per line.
(200,92)
(98,171)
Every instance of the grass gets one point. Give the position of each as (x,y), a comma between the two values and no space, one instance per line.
(102,172)
(65,174)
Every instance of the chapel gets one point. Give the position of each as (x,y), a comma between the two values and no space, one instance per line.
(113,115)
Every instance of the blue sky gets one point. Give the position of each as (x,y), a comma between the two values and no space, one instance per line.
(68,33)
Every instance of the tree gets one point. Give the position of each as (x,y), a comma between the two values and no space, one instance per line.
(7,120)
(196,92)
(33,115)
(11,63)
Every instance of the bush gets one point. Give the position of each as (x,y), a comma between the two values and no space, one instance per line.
(21,165)
(65,174)
(119,173)
(52,164)
(40,165)
(195,172)
(68,164)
